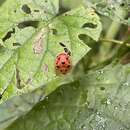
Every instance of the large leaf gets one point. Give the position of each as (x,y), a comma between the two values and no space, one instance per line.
(29,49)
(98,101)
(20,105)
(13,12)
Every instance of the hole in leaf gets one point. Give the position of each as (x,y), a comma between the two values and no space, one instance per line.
(25,8)
(36,10)
(0,96)
(45,0)
(87,40)
(25,24)
(102,88)
(89,25)
(62,44)
(122,4)
(8,35)
(54,31)
(16,44)
(82,37)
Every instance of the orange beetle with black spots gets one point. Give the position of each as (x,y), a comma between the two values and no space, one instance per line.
(63,63)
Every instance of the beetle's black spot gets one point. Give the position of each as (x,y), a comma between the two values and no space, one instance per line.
(66,58)
(25,24)
(68,66)
(57,66)
(89,25)
(56,62)
(66,70)
(8,35)
(58,58)
(26,9)
(63,62)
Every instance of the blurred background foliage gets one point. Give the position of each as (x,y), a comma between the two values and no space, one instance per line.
(115,41)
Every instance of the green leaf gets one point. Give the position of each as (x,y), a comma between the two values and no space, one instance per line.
(98,101)
(20,105)
(29,49)
(13,13)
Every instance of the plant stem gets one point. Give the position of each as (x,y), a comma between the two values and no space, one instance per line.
(115,41)
(105,49)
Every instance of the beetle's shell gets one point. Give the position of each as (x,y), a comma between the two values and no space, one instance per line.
(63,63)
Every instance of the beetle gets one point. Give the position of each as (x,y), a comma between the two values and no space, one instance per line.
(63,62)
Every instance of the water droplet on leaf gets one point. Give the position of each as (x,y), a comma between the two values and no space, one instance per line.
(108,101)
(115,107)
(100,71)
(83,126)
(126,84)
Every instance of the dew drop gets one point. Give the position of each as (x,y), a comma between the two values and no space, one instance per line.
(100,71)
(46,98)
(83,126)
(112,6)
(86,103)
(125,84)
(106,14)
(115,107)
(79,111)
(99,75)
(108,101)
(98,113)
